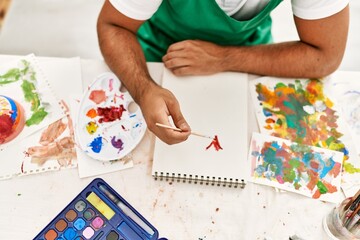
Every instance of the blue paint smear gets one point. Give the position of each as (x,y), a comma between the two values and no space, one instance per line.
(96,144)
(267,113)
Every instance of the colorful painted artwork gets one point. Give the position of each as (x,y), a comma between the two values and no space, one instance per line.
(23,82)
(311,171)
(301,111)
(110,124)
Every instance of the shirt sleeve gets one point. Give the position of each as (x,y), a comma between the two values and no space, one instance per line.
(316,9)
(137,9)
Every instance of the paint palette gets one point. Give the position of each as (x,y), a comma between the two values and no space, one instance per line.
(110,124)
(98,212)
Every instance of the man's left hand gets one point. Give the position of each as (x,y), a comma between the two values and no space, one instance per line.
(194,57)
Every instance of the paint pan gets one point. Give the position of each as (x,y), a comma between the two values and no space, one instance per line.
(109,124)
(99,212)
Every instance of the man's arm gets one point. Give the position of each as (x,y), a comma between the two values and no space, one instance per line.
(123,54)
(318,53)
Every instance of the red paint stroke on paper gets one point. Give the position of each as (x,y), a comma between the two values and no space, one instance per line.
(97,96)
(215,142)
(110,114)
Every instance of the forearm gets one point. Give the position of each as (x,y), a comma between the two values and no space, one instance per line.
(124,56)
(288,59)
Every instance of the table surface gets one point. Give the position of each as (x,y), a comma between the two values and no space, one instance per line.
(177,210)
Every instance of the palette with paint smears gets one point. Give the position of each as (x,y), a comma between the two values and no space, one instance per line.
(98,212)
(110,124)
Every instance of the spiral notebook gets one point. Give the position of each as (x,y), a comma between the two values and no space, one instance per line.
(212,105)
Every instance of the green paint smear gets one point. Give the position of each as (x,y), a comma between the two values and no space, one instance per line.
(36,117)
(300,148)
(12,75)
(322,188)
(27,74)
(29,94)
(289,175)
(350,168)
(294,163)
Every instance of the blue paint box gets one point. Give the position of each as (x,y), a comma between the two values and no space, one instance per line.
(98,212)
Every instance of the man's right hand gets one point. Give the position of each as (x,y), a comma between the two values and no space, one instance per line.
(157,104)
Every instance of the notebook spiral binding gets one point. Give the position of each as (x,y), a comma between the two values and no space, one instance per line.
(202,180)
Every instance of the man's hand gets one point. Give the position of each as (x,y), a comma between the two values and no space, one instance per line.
(157,104)
(194,57)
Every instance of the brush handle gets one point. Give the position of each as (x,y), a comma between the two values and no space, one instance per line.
(179,130)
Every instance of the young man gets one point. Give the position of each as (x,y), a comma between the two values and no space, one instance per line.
(198,37)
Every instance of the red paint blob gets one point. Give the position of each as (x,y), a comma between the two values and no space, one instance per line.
(6,127)
(110,114)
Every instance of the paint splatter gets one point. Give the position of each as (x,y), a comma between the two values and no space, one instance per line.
(117,143)
(91,127)
(97,96)
(296,165)
(91,113)
(96,144)
(27,75)
(302,113)
(111,84)
(6,127)
(110,114)
(215,142)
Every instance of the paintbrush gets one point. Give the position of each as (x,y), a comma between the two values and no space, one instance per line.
(179,130)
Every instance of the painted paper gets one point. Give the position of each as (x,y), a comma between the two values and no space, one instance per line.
(307,170)
(302,111)
(51,147)
(345,87)
(24,82)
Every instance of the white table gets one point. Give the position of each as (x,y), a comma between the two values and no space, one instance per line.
(177,210)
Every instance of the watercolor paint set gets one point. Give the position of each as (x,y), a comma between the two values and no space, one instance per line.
(98,212)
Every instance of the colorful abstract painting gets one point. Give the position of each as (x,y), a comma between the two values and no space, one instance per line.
(307,170)
(301,111)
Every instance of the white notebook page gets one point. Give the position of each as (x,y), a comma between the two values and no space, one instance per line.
(212,105)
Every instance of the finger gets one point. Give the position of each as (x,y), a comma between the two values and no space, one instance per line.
(179,119)
(175,54)
(177,63)
(183,71)
(176,46)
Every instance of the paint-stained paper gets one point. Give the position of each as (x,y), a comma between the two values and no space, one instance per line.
(304,111)
(52,146)
(24,81)
(345,87)
(307,170)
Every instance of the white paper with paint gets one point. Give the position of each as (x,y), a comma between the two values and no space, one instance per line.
(16,160)
(212,105)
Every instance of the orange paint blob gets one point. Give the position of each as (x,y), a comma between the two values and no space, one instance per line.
(91,113)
